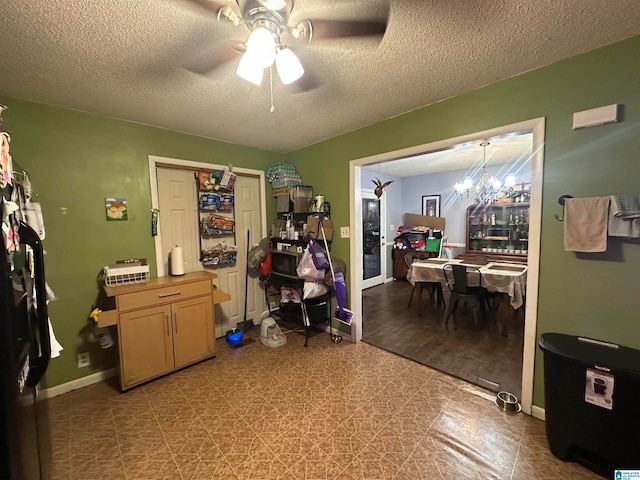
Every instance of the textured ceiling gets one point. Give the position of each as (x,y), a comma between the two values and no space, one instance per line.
(512,151)
(137,60)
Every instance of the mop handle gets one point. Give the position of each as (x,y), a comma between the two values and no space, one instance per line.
(333,274)
(326,247)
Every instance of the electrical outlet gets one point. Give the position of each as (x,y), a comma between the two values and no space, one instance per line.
(84,359)
(344,232)
(392,228)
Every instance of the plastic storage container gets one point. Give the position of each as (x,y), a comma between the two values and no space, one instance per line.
(592,402)
(433,244)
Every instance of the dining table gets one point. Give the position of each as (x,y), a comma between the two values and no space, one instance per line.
(509,279)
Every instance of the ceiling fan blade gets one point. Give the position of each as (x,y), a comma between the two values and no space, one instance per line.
(205,64)
(322,29)
(309,80)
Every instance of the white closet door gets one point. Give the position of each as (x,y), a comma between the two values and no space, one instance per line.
(248,206)
(177,198)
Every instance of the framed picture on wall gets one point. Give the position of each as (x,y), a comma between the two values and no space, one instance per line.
(431,205)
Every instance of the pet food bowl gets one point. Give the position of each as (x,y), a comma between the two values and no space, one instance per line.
(508,402)
(234,337)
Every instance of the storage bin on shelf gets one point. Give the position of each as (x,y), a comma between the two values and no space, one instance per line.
(125,273)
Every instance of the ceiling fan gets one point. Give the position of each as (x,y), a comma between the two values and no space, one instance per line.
(267,44)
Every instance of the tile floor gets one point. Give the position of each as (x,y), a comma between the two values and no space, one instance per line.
(330,411)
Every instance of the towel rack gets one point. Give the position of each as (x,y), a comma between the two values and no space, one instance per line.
(561,202)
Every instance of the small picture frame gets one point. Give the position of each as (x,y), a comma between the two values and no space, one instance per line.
(431,205)
(116,209)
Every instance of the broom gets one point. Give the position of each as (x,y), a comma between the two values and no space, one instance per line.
(246,324)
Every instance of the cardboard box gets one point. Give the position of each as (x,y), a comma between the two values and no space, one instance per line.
(435,223)
(313,228)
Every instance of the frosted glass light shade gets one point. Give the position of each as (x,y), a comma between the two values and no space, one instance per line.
(288,66)
(249,69)
(262,46)
(274,4)
(510,181)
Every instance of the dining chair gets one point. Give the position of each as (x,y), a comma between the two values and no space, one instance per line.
(408,259)
(434,288)
(457,279)
(443,242)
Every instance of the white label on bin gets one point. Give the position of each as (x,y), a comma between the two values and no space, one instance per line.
(599,389)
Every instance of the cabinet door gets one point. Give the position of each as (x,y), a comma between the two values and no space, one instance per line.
(193,330)
(145,344)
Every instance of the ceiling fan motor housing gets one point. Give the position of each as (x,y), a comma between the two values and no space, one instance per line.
(271,14)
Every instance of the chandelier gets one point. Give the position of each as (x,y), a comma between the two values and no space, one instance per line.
(487,190)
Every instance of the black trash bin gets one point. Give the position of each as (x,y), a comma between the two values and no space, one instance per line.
(592,402)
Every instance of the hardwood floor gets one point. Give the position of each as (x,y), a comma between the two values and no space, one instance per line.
(459,348)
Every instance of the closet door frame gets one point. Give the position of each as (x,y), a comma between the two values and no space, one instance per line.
(156,161)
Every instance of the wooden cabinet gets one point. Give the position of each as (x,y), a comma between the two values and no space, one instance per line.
(165,324)
(193,333)
(498,230)
(146,345)
(400,267)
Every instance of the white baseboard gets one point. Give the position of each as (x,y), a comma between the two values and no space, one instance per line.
(77,383)
(538,413)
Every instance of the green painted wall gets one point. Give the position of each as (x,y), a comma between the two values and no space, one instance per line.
(591,295)
(75,161)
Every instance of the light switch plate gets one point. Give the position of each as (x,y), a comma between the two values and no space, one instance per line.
(344,232)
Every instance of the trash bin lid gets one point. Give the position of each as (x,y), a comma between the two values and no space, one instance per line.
(585,350)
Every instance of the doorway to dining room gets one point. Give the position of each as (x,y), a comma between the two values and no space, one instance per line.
(414,340)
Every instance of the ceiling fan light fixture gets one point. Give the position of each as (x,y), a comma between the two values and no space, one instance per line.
(249,69)
(262,46)
(289,67)
(274,4)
